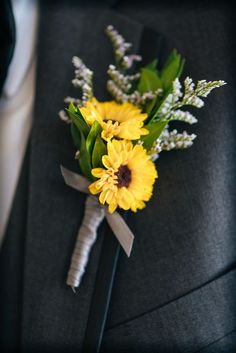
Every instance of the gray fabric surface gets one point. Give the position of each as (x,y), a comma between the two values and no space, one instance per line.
(185,325)
(55,211)
(187,232)
(187,237)
(226,344)
(175,293)
(11,267)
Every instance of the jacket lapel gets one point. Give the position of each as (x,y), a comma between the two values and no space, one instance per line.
(55,211)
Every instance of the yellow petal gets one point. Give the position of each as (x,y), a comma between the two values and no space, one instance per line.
(112,207)
(93,188)
(103,196)
(98,172)
(125,198)
(143,175)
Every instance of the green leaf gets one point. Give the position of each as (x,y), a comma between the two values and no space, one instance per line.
(152,65)
(172,69)
(95,129)
(155,130)
(149,81)
(78,119)
(149,106)
(84,159)
(75,135)
(181,67)
(170,58)
(98,151)
(72,107)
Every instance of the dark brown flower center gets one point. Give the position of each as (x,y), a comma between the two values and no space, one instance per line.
(124,176)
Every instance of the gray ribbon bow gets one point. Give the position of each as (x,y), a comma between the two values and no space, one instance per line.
(93,216)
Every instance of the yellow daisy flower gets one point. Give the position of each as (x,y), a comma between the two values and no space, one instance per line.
(120,120)
(127,179)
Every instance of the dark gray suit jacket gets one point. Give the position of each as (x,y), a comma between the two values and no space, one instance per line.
(176,293)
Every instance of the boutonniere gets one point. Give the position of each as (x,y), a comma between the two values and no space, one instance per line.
(118,141)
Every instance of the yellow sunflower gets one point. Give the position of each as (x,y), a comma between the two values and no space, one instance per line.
(120,120)
(127,179)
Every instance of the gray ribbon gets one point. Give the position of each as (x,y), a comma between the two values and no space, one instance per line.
(94,214)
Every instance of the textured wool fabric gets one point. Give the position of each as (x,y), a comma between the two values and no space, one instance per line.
(187,324)
(185,238)
(11,267)
(187,232)
(55,211)
(176,291)
(226,344)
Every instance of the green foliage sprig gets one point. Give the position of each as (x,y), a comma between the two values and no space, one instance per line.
(156,90)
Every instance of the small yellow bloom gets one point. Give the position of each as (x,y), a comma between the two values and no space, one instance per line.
(127,179)
(120,120)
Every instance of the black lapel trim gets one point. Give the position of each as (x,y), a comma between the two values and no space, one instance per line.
(102,292)
(149,48)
